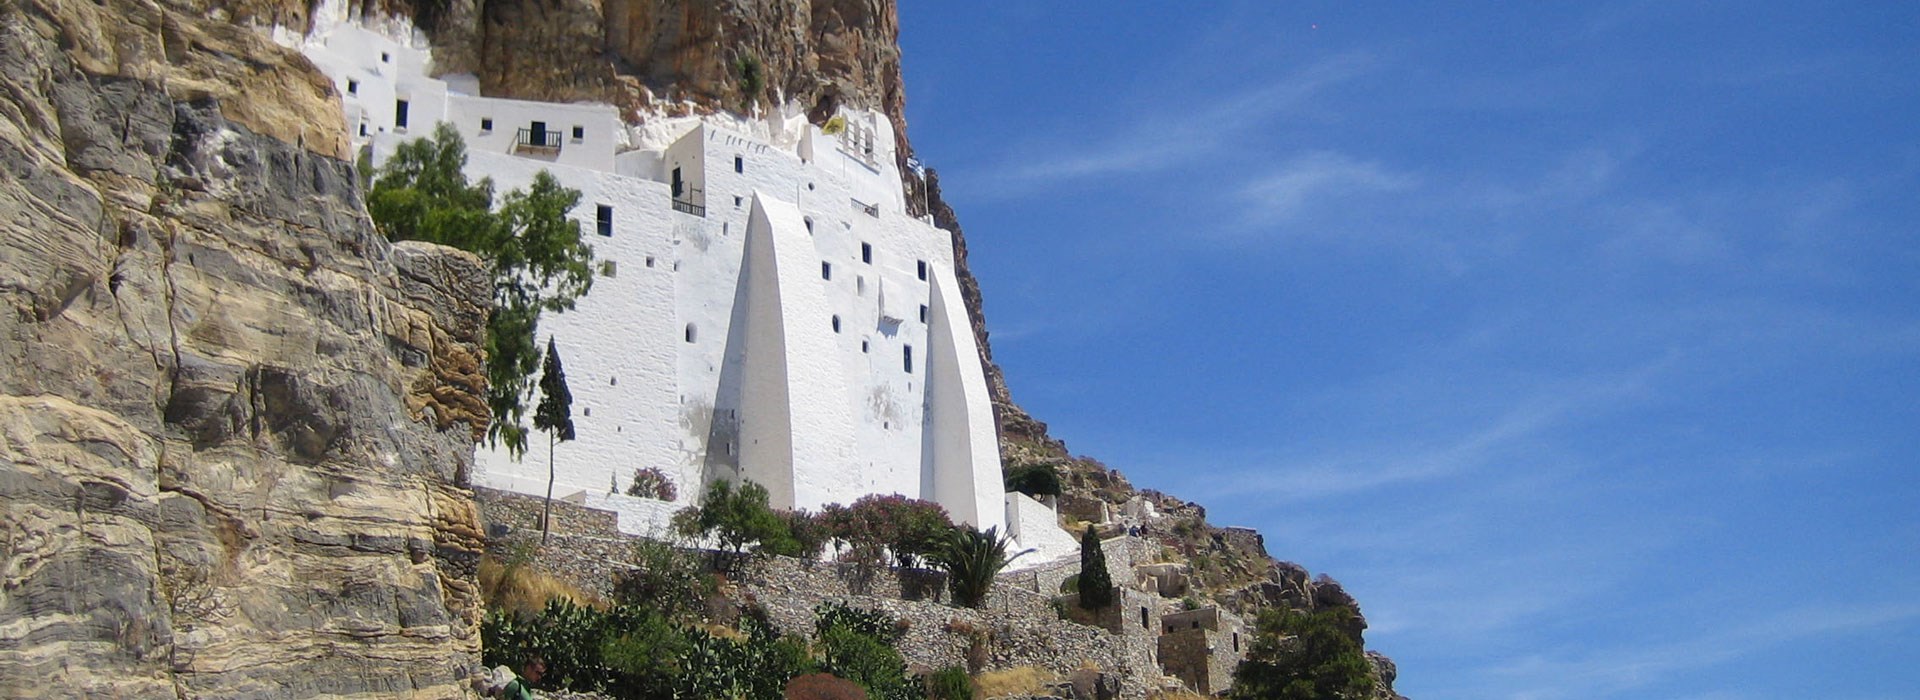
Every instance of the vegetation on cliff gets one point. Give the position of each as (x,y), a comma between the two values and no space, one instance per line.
(538,260)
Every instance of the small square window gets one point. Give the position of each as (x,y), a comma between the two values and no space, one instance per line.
(579,132)
(866,253)
(386,57)
(486,124)
(826,270)
(649,261)
(923,270)
(736,205)
(739,164)
(353,87)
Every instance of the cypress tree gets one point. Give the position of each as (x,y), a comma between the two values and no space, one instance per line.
(555,416)
(1096,585)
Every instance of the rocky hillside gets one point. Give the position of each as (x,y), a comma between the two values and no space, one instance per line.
(234,421)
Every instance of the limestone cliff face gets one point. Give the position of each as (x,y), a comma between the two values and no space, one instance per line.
(234,421)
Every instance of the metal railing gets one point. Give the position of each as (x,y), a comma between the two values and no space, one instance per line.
(684,201)
(543,141)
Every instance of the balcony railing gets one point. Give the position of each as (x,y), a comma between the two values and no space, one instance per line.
(685,200)
(542,141)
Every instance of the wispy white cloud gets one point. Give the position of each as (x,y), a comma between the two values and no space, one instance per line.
(1179,134)
(1621,669)
(1316,177)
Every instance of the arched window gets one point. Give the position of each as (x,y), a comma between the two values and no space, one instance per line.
(691,333)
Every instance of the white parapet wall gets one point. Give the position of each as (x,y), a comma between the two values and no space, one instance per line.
(1037,532)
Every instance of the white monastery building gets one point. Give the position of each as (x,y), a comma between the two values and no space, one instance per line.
(765,308)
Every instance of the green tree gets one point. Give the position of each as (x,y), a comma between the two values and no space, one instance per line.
(1301,656)
(555,416)
(1034,480)
(537,258)
(972,558)
(737,517)
(1096,584)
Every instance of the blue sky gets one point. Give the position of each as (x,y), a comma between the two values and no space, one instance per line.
(1580,341)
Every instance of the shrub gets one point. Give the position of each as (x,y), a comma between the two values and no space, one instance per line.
(650,482)
(664,577)
(950,683)
(1034,480)
(1096,585)
(972,558)
(807,534)
(1300,656)
(822,686)
(872,623)
(909,528)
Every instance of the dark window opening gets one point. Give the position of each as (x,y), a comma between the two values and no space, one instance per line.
(690,333)
(866,253)
(603,218)
(906,357)
(923,313)
(863,346)
(363,129)
(736,200)
(678,184)
(486,123)
(353,87)
(579,132)
(386,57)
(826,271)
(1236,642)
(1196,624)
(400,113)
(836,324)
(1143,618)
(923,270)
(649,261)
(739,164)
(538,135)
(809,221)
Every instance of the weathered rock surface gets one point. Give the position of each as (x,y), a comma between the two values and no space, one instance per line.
(233,421)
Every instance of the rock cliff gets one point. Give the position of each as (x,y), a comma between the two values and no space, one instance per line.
(234,421)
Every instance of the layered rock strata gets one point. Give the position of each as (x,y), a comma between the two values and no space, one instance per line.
(234,421)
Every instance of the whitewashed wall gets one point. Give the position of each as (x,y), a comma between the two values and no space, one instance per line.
(706,357)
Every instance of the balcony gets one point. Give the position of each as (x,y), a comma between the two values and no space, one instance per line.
(543,142)
(687,200)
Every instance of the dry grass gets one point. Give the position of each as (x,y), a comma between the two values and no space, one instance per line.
(523,588)
(1023,680)
(1181,695)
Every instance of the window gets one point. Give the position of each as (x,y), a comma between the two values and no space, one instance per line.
(1236,642)
(866,253)
(649,261)
(603,217)
(809,221)
(690,333)
(1143,618)
(579,132)
(400,113)
(386,57)
(923,313)
(736,205)
(608,269)
(906,358)
(836,324)
(739,164)
(826,270)
(353,87)
(486,123)
(863,346)
(923,270)
(363,128)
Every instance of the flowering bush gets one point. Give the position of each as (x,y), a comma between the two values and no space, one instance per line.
(650,482)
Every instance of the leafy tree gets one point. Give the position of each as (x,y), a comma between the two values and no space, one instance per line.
(1301,656)
(1095,583)
(737,517)
(1034,480)
(650,482)
(537,259)
(555,416)
(972,558)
